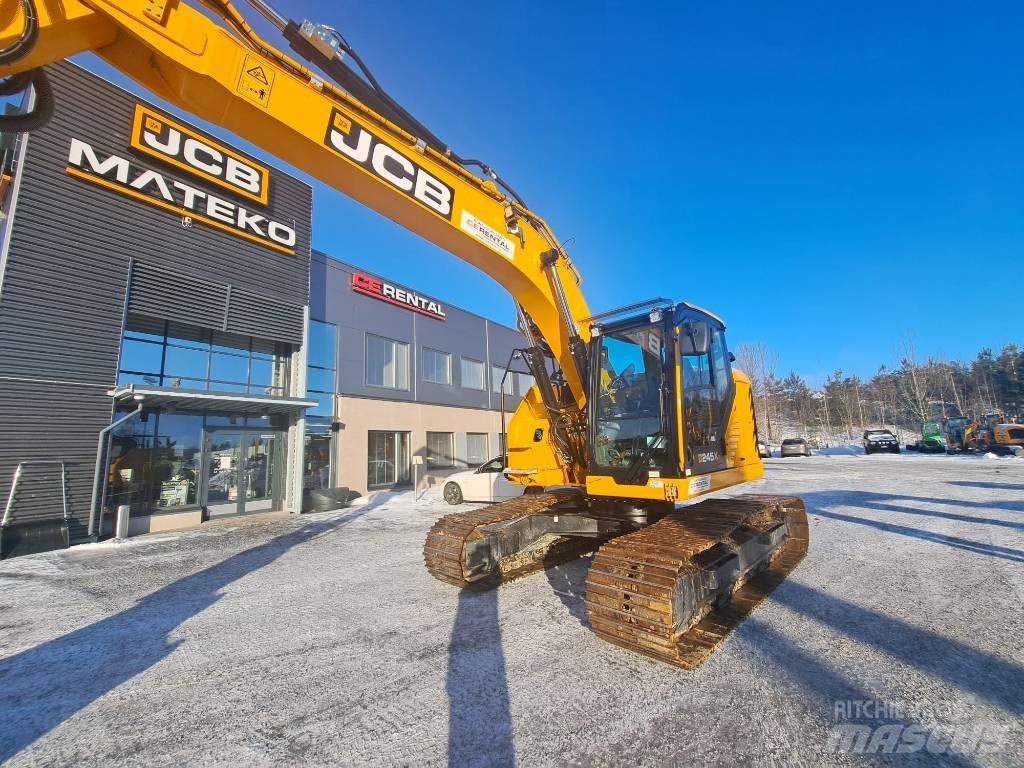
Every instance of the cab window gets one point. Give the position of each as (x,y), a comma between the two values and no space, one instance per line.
(722,371)
(707,389)
(629,418)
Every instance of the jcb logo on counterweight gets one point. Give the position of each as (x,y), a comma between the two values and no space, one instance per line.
(161,137)
(354,142)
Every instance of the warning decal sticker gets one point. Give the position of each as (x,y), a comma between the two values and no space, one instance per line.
(256,81)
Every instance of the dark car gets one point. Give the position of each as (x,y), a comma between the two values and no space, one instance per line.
(794,446)
(880,441)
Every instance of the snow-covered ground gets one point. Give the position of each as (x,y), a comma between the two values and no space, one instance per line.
(321,640)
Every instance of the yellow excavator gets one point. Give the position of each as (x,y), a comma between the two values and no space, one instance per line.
(633,411)
(989,432)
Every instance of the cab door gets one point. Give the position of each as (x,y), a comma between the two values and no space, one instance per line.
(707,392)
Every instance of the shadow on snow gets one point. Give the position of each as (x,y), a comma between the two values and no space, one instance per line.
(479,712)
(568,581)
(45,685)
(987,484)
(815,501)
(979,673)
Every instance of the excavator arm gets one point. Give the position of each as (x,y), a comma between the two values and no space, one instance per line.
(211,63)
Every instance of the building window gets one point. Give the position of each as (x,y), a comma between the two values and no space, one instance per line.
(525,382)
(162,354)
(321,369)
(476,448)
(387,459)
(387,362)
(437,366)
(154,465)
(473,373)
(440,449)
(496,373)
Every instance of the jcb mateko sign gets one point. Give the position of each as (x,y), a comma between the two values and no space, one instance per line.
(384,291)
(228,179)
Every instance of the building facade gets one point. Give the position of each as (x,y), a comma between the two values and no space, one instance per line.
(416,389)
(172,344)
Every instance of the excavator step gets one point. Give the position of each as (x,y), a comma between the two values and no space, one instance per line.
(676,589)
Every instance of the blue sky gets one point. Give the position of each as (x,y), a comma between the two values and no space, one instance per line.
(831,178)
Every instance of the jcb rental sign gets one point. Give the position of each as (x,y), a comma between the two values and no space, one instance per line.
(220,168)
(384,291)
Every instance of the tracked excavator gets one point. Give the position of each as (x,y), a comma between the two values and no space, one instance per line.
(989,432)
(634,413)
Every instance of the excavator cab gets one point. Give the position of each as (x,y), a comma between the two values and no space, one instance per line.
(663,392)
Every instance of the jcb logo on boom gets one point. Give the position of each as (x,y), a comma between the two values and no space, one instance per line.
(351,140)
(159,136)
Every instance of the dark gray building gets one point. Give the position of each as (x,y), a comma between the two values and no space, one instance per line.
(155,308)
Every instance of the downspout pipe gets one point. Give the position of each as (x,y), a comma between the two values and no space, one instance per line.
(97,477)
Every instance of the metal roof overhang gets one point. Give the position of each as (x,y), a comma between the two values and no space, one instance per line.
(198,400)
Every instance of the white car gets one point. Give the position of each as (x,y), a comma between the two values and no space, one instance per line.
(485,483)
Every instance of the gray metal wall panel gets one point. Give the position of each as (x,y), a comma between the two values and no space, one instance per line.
(254,314)
(45,422)
(356,315)
(461,334)
(170,295)
(63,292)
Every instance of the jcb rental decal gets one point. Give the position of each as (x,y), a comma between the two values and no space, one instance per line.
(352,141)
(488,236)
(166,139)
(151,187)
(700,484)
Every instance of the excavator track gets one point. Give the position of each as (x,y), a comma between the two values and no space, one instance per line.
(676,589)
(445,549)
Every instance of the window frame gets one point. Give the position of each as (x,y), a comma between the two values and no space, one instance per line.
(497,372)
(432,461)
(209,345)
(366,362)
(402,445)
(523,389)
(462,373)
(486,449)
(448,366)
(326,398)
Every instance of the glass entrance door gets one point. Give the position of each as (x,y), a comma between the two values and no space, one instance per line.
(241,472)
(387,459)
(224,475)
(259,471)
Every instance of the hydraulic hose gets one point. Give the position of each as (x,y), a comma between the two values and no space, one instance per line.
(15,84)
(42,110)
(25,43)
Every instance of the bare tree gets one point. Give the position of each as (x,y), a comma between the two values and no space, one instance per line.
(913,385)
(760,363)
